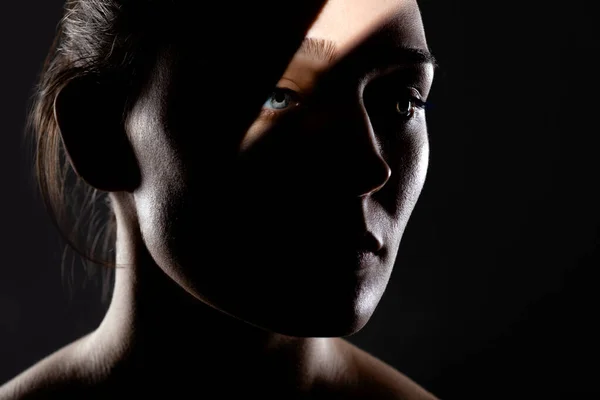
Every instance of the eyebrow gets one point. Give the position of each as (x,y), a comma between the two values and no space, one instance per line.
(326,50)
(319,49)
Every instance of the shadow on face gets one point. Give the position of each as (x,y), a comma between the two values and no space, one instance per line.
(293,224)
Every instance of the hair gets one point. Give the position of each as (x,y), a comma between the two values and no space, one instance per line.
(107,40)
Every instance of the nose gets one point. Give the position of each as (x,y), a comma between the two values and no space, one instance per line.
(361,165)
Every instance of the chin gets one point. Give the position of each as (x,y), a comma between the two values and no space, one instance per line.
(325,330)
(340,325)
(299,296)
(316,313)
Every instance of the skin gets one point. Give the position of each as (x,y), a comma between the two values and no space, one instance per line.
(239,257)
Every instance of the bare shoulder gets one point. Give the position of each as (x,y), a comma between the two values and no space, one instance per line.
(60,374)
(368,377)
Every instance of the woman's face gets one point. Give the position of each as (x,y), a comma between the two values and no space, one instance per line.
(294,224)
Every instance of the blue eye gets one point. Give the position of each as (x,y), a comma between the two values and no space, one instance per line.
(281,98)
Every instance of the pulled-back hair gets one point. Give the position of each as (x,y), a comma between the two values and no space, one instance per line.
(116,44)
(107,40)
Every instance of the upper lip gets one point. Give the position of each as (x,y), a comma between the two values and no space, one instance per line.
(353,216)
(367,241)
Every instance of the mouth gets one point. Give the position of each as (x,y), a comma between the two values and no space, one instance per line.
(368,242)
(367,251)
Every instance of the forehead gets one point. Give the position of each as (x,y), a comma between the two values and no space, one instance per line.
(366,29)
(348,22)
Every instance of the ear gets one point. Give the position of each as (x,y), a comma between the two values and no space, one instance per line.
(89,115)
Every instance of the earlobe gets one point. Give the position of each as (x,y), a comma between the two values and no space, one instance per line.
(89,115)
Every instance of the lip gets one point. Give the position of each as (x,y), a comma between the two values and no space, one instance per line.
(367,251)
(368,242)
(365,260)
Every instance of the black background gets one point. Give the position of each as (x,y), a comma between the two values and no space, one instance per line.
(497,294)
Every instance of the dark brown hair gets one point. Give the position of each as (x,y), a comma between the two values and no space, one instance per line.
(103,39)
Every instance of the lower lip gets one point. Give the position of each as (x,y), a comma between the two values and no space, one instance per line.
(365,260)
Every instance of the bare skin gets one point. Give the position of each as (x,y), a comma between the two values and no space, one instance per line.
(175,328)
(68,374)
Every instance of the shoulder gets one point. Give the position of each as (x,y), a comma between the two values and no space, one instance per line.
(368,377)
(61,374)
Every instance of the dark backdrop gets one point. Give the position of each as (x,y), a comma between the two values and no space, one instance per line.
(496,297)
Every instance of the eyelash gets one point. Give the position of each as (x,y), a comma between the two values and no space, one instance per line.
(420,104)
(415,101)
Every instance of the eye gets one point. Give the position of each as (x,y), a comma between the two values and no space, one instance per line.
(407,106)
(392,103)
(281,99)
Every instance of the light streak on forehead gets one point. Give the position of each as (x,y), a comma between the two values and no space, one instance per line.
(347,22)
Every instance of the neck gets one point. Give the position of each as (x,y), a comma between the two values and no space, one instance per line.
(154,329)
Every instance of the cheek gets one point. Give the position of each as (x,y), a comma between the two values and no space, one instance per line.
(409,163)
(408,158)
(162,191)
(418,169)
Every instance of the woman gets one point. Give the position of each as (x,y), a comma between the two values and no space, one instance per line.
(248,240)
